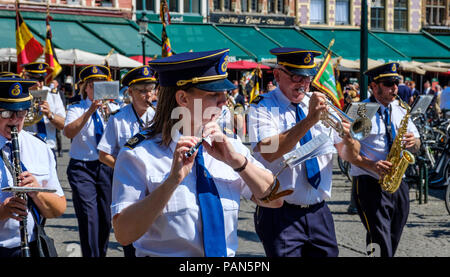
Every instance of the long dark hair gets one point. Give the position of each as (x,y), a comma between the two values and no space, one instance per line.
(162,123)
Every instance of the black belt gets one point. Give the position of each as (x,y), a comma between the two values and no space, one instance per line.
(305,207)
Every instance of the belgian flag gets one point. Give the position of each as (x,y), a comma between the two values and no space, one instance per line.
(54,68)
(166,49)
(28,48)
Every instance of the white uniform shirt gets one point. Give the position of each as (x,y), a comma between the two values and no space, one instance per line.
(57,108)
(121,127)
(38,160)
(275,114)
(375,146)
(177,231)
(84,145)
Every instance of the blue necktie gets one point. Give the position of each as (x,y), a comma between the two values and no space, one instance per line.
(41,129)
(211,210)
(390,129)
(312,165)
(98,126)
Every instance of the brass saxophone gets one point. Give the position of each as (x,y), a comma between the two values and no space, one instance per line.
(398,156)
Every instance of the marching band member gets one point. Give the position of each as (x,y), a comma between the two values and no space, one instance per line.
(89,179)
(39,170)
(281,121)
(130,120)
(52,108)
(382,213)
(168,204)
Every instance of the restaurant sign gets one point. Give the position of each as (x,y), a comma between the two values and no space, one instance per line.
(251,19)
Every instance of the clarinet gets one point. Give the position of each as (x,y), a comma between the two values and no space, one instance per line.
(25,248)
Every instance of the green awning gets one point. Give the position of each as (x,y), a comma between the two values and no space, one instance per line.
(415,45)
(347,44)
(290,37)
(124,38)
(444,38)
(185,37)
(67,35)
(8,33)
(251,39)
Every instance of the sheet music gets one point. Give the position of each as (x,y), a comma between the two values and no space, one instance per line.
(40,94)
(320,145)
(371,109)
(106,90)
(422,104)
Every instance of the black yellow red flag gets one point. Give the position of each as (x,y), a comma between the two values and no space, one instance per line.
(28,48)
(166,49)
(54,68)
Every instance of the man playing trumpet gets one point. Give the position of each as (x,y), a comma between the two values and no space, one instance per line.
(281,121)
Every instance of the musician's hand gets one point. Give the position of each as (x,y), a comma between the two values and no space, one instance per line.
(220,148)
(94,106)
(409,140)
(181,166)
(28,180)
(13,207)
(45,108)
(317,106)
(346,130)
(382,167)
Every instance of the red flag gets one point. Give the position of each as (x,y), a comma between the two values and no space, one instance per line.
(28,48)
(54,68)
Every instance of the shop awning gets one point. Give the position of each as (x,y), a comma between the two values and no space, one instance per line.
(249,38)
(185,37)
(246,65)
(443,38)
(291,37)
(347,44)
(124,38)
(415,45)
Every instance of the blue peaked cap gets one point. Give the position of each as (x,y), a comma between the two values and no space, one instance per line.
(296,60)
(204,70)
(141,74)
(383,72)
(14,93)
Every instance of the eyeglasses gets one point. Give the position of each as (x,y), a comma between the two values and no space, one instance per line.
(390,83)
(143,89)
(297,78)
(6,114)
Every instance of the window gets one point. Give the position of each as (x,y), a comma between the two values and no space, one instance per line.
(255,6)
(271,6)
(435,12)
(217,6)
(342,12)
(227,5)
(244,6)
(222,5)
(317,13)
(191,6)
(173,5)
(377,13)
(400,15)
(149,5)
(280,6)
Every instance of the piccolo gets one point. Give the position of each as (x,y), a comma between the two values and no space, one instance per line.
(194,148)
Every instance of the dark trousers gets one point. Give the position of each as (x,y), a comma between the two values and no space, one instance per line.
(291,231)
(383,214)
(16,252)
(91,184)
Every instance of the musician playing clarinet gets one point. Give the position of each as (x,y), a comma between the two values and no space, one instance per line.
(281,121)
(169,204)
(38,169)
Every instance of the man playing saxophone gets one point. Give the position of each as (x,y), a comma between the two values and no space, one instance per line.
(383,213)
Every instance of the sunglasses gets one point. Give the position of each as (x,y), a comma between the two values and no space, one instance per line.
(297,78)
(390,83)
(6,114)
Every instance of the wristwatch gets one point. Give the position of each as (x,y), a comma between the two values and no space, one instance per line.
(51,116)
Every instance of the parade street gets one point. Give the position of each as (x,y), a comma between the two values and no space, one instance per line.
(426,234)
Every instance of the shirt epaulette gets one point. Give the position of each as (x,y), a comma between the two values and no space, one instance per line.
(38,136)
(54,91)
(138,138)
(257,100)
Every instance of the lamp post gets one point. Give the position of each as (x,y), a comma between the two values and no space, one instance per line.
(143,27)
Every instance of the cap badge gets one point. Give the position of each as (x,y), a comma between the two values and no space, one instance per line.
(16,89)
(94,70)
(394,67)
(145,72)
(307,59)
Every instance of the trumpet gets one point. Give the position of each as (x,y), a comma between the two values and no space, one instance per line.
(359,128)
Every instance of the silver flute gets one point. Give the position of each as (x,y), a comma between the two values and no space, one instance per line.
(194,148)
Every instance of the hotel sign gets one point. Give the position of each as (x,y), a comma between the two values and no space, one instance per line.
(251,19)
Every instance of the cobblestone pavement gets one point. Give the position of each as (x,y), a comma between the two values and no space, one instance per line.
(426,234)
